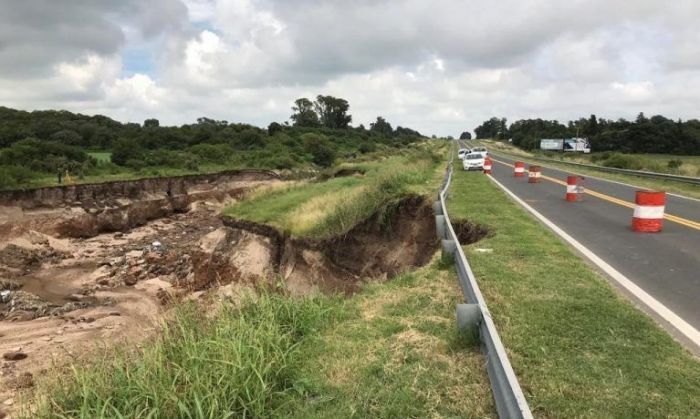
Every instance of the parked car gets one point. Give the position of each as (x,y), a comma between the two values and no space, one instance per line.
(463,152)
(481,150)
(473,161)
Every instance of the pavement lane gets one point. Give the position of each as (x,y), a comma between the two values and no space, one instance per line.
(666,265)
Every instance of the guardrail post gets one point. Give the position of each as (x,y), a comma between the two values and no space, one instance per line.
(468,317)
(437,208)
(448,248)
(440,226)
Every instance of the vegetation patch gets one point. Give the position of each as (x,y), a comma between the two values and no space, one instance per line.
(332,207)
(578,348)
(45,148)
(241,362)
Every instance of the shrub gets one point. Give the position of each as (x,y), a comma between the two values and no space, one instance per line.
(674,164)
(43,156)
(14,176)
(367,147)
(624,161)
(126,149)
(215,153)
(274,128)
(320,149)
(135,164)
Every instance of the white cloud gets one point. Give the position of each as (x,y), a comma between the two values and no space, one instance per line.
(440,67)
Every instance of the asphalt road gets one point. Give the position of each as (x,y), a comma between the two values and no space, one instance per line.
(666,265)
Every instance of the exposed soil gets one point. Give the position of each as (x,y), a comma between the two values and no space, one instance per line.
(71,279)
(78,281)
(468,232)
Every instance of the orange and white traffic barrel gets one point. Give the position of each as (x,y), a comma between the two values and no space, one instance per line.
(519,169)
(574,188)
(534,174)
(648,211)
(488,163)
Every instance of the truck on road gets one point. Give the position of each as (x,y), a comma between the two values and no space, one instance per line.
(565,144)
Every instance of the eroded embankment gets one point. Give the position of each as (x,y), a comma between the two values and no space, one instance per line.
(61,295)
(86,210)
(395,239)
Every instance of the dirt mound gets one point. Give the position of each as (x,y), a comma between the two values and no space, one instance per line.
(16,260)
(468,232)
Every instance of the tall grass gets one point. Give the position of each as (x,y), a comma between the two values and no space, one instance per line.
(355,208)
(241,362)
(332,207)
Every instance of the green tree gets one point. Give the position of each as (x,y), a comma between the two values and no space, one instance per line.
(381,126)
(466,135)
(274,128)
(332,111)
(304,114)
(151,123)
(591,127)
(126,149)
(493,128)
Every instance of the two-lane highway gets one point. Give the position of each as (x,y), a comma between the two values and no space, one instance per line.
(665,265)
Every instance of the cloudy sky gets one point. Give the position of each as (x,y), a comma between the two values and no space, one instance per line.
(439,66)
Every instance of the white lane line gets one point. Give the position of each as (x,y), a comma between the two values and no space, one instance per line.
(652,303)
(629,185)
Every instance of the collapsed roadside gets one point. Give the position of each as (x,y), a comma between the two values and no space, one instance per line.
(242,271)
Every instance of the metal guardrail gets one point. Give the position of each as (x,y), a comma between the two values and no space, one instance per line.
(509,398)
(638,173)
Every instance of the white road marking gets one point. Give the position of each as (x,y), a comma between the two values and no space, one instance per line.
(652,303)
(573,172)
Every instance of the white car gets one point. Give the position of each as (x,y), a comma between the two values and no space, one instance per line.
(463,152)
(473,161)
(481,150)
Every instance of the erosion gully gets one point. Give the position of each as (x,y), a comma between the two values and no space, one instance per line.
(84,266)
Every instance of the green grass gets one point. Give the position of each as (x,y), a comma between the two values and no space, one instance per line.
(321,209)
(397,354)
(578,348)
(654,184)
(391,350)
(237,363)
(103,156)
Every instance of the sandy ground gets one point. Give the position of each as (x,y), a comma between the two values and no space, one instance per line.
(63,297)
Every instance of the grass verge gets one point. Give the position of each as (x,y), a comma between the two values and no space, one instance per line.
(578,348)
(391,350)
(331,207)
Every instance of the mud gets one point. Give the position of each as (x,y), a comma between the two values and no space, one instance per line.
(468,232)
(74,284)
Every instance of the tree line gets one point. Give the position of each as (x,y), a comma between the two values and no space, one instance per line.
(657,134)
(42,143)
